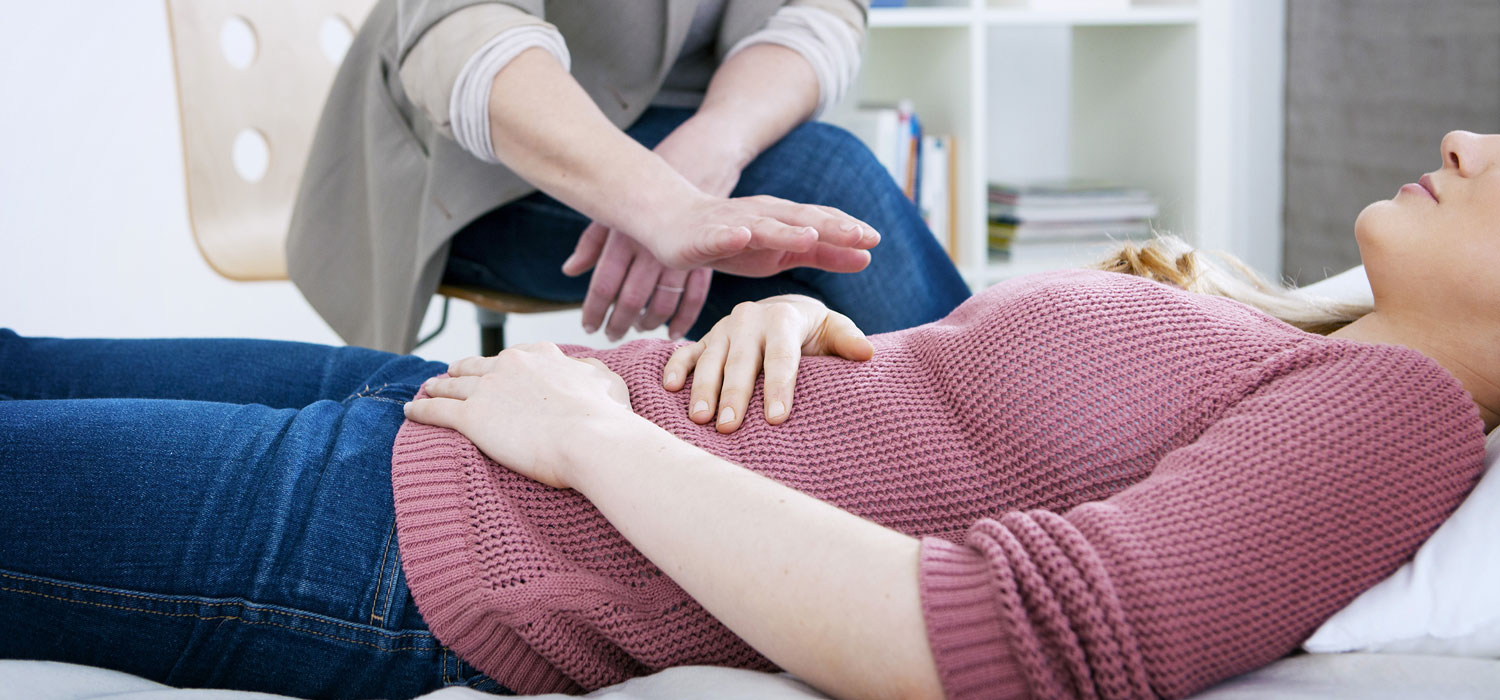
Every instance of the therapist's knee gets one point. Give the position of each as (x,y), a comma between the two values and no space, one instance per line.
(847,165)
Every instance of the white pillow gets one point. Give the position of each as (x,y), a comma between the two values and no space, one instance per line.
(1446,600)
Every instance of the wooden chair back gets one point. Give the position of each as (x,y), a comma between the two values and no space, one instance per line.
(252,76)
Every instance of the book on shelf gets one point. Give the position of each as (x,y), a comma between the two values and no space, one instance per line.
(922,165)
(1065,223)
(939,170)
(1049,213)
(1058,254)
(1007,231)
(1074,192)
(1069,200)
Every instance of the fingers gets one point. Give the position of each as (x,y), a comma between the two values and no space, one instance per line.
(444,413)
(609,273)
(586,253)
(741,367)
(633,295)
(680,365)
(773,234)
(846,340)
(470,366)
(782,354)
(707,372)
(460,388)
(833,226)
(830,258)
(693,297)
(719,242)
(666,294)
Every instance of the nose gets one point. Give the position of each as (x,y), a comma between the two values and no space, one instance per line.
(1469,153)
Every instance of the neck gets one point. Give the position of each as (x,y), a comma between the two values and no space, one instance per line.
(1472,358)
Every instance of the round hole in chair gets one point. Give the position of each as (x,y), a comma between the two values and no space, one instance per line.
(237,41)
(252,155)
(334,37)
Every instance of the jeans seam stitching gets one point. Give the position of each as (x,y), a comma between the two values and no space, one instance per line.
(390,593)
(380,575)
(222,617)
(187,599)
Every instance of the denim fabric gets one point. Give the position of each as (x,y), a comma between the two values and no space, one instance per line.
(211,513)
(520,248)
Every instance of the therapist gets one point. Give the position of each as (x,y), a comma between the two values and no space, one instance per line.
(520,145)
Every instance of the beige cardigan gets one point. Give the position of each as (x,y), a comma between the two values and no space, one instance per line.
(386,186)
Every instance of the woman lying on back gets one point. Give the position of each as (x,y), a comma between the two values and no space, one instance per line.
(1077,484)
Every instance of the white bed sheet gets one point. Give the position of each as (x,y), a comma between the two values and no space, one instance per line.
(1307,677)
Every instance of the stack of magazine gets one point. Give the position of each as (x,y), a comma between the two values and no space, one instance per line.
(1064,222)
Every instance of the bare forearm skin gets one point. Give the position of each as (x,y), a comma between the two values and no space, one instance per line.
(824,594)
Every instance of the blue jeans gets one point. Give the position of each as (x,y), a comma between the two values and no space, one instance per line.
(211,513)
(519,248)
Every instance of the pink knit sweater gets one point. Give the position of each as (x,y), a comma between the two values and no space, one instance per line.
(1123,490)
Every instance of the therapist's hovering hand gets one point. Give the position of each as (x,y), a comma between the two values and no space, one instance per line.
(748,236)
(667,207)
(645,292)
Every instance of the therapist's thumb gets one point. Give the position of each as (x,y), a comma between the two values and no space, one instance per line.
(586,253)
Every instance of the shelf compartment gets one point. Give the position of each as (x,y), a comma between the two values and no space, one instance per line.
(1134,16)
(886,17)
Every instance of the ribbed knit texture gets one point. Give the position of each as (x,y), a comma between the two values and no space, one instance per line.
(1124,490)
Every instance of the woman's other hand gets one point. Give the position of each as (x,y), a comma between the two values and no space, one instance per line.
(524,407)
(644,292)
(772,334)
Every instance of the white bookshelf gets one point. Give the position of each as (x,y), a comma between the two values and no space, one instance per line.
(1177,97)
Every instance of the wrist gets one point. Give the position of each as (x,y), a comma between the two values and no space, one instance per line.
(651,209)
(725,132)
(595,449)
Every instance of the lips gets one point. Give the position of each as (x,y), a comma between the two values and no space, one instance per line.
(1426,183)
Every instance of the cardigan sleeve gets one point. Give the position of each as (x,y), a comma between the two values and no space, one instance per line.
(436,49)
(826,33)
(1302,494)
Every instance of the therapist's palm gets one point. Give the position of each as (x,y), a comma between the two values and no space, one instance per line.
(654,276)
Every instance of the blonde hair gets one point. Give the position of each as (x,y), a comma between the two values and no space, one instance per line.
(1170,260)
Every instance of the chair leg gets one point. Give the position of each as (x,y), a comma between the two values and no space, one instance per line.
(491,332)
(442,323)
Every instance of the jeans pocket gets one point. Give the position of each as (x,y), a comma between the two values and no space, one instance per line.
(473,678)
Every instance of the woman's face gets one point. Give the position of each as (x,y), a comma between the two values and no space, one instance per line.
(1434,249)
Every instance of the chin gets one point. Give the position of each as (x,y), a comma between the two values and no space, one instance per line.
(1371,220)
(1384,220)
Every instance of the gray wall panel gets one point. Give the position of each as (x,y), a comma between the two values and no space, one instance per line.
(1372,86)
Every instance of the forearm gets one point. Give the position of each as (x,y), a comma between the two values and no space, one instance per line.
(545,127)
(755,98)
(824,594)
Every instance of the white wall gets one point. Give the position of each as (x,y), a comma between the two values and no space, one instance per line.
(94,237)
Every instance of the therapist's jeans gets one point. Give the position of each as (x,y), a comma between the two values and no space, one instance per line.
(520,248)
(211,513)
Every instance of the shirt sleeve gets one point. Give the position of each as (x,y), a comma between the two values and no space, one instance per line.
(1301,495)
(827,33)
(449,68)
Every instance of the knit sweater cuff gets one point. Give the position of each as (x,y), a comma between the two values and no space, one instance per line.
(965,626)
(437,558)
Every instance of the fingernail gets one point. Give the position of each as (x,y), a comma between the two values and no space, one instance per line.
(777,408)
(671,378)
(590,328)
(726,415)
(700,407)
